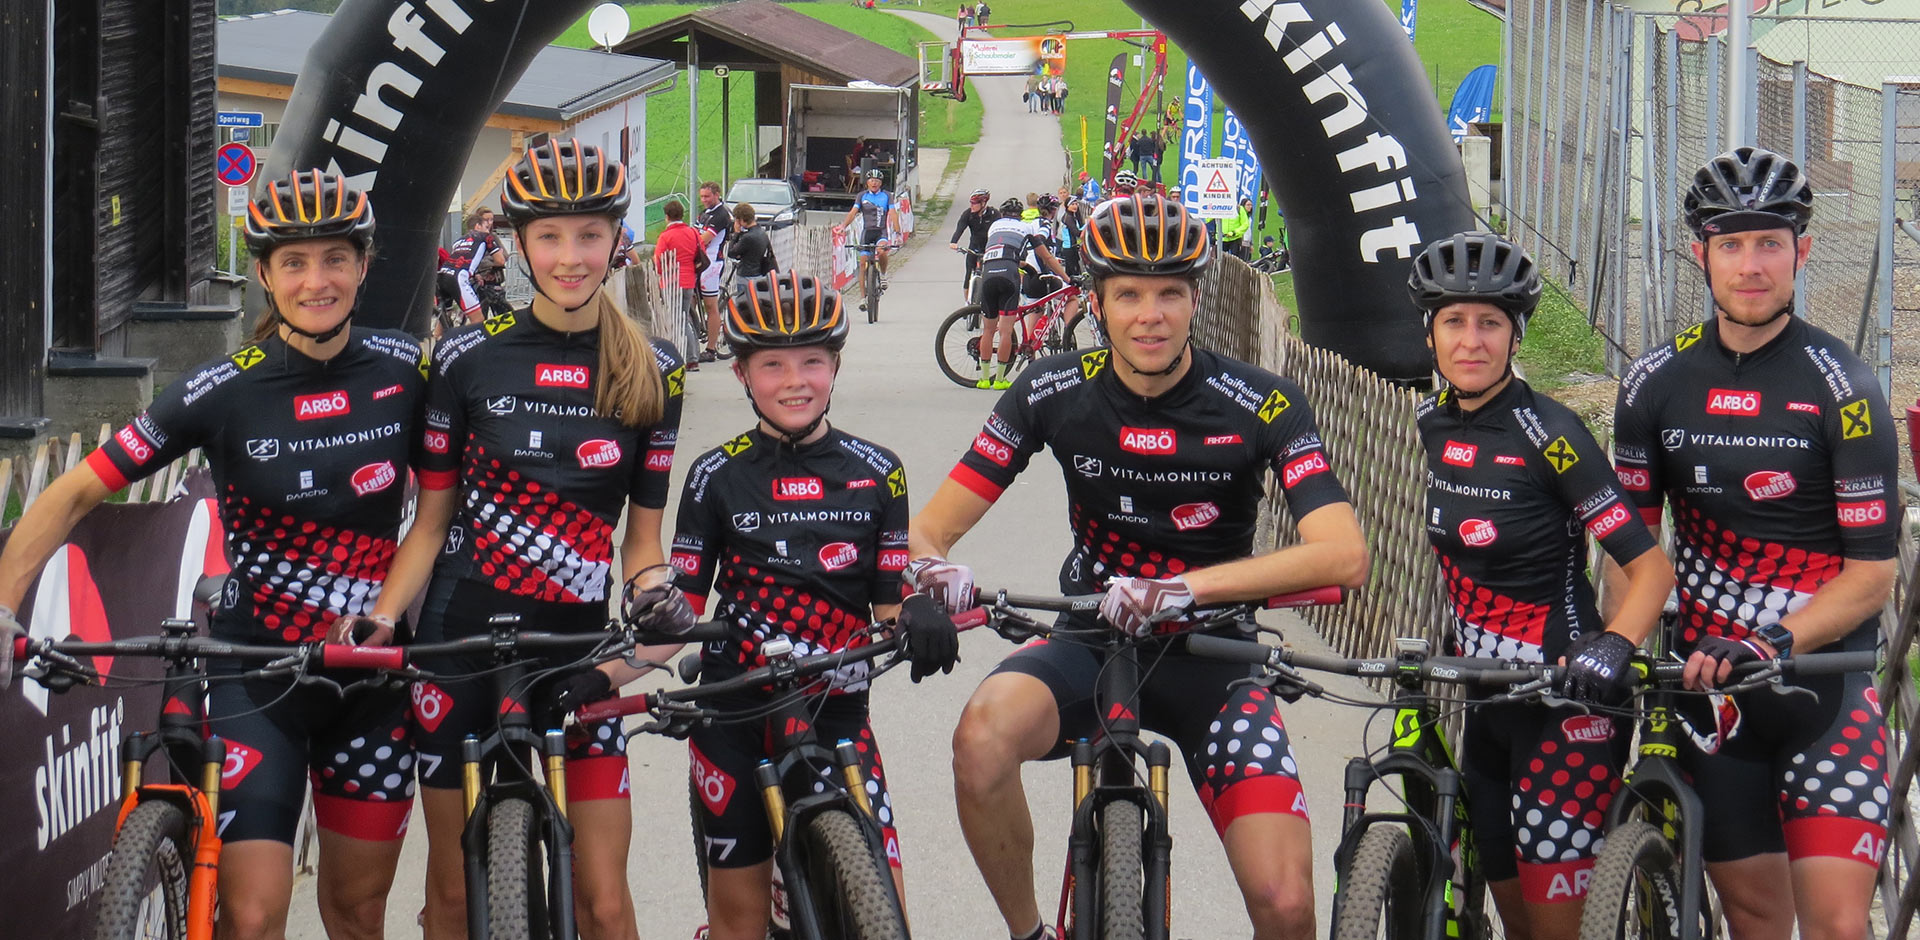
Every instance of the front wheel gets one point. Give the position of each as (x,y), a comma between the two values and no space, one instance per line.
(1122,874)
(873,291)
(957,346)
(852,888)
(1083,332)
(143,895)
(1635,891)
(516,872)
(1380,892)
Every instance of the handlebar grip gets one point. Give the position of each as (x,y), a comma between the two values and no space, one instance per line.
(1820,664)
(20,648)
(1328,595)
(342,656)
(1230,650)
(614,708)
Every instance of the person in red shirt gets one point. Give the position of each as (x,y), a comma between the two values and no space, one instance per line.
(681,242)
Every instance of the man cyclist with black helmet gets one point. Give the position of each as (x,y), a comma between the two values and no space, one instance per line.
(799,528)
(1012,245)
(310,431)
(1515,485)
(1772,444)
(1165,449)
(978,216)
(879,218)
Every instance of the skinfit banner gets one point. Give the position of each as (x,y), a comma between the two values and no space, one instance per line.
(1115,89)
(1356,156)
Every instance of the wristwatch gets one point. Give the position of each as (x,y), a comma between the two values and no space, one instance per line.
(1777,636)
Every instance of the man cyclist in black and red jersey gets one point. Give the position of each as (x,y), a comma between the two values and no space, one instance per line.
(1772,445)
(715,222)
(1165,449)
(1013,247)
(800,531)
(471,256)
(978,216)
(1515,485)
(310,430)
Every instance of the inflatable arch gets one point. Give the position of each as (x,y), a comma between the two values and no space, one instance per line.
(1334,98)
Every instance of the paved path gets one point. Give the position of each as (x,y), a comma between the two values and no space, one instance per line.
(891,391)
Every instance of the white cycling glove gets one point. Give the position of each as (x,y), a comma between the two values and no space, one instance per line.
(9,628)
(1135,605)
(944,581)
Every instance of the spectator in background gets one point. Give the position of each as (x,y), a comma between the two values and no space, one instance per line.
(628,251)
(1059,92)
(680,243)
(1089,189)
(965,16)
(1156,153)
(752,251)
(1233,231)
(1032,95)
(1137,152)
(980,14)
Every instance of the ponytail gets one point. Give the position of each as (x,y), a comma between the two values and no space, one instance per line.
(630,387)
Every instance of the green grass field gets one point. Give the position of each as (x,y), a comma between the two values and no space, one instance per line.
(943,123)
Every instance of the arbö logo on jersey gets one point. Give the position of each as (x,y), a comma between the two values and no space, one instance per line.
(986,446)
(661,460)
(437,442)
(1150,441)
(430,705)
(798,488)
(1634,480)
(552,376)
(686,563)
(1194,515)
(135,446)
(1478,533)
(1307,466)
(1603,524)
(712,783)
(374,477)
(1723,401)
(1458,454)
(1587,729)
(598,453)
(323,405)
(241,760)
(893,559)
(1859,515)
(1770,484)
(838,555)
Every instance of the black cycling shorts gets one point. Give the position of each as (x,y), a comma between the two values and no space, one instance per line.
(1238,756)
(1800,774)
(447,288)
(1539,781)
(870,237)
(721,758)
(446,710)
(358,753)
(998,288)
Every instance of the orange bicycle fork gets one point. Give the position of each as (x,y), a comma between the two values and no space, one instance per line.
(202,808)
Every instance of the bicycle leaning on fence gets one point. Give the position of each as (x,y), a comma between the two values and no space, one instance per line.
(1052,330)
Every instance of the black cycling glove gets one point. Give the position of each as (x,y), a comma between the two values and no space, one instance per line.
(1733,652)
(581,688)
(932,641)
(1597,668)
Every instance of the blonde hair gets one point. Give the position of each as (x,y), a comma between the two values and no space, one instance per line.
(629,388)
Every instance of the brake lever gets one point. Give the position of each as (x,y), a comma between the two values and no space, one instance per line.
(1281,676)
(1774,678)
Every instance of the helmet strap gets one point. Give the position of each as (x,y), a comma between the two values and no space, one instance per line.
(607,274)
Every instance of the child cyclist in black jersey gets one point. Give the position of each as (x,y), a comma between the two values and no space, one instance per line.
(545,429)
(310,538)
(801,530)
(1515,484)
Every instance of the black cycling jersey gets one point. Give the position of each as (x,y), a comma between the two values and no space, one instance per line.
(1513,489)
(719,221)
(1779,463)
(1155,486)
(801,542)
(469,251)
(975,223)
(1011,241)
(546,478)
(310,460)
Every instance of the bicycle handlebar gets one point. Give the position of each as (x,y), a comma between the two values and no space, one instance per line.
(802,668)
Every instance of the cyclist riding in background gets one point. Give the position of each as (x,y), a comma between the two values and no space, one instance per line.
(1515,485)
(309,429)
(879,218)
(979,215)
(1772,445)
(1164,448)
(1010,241)
(819,560)
(545,430)
(469,256)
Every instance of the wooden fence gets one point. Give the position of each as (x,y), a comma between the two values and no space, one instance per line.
(26,477)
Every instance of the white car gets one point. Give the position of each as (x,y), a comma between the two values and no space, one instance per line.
(776,204)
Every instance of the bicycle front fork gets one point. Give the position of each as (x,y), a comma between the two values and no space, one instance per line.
(1083,843)
(556,832)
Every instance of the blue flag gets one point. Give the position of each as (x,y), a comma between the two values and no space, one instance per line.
(1236,144)
(1196,136)
(1472,101)
(1409,9)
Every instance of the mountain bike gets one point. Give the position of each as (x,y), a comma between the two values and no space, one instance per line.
(957,343)
(828,844)
(871,283)
(1119,848)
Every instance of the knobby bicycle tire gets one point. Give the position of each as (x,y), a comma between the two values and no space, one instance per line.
(1083,332)
(1635,891)
(852,889)
(872,289)
(151,849)
(516,873)
(956,346)
(1380,892)
(1122,873)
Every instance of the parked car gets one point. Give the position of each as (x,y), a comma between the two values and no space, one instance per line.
(776,204)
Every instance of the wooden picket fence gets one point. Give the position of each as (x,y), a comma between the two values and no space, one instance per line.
(26,477)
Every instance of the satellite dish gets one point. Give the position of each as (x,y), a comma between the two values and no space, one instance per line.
(608,24)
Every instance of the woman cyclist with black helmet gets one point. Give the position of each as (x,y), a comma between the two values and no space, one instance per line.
(1515,484)
(800,529)
(310,538)
(546,429)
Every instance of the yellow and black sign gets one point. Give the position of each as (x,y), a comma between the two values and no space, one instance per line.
(1561,454)
(897,482)
(677,382)
(1273,406)
(426,363)
(1856,419)
(737,446)
(1687,337)
(248,358)
(1092,362)
(498,324)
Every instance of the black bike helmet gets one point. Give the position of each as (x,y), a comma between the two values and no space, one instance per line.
(565,177)
(1145,235)
(1047,202)
(1475,267)
(308,204)
(1745,189)
(783,311)
(1012,208)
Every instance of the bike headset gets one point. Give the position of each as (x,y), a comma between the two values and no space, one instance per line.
(303,207)
(1476,267)
(786,312)
(1145,235)
(560,178)
(1748,189)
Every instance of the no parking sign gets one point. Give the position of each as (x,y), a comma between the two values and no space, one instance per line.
(234,164)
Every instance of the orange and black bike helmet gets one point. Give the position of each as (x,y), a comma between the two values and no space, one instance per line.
(565,177)
(1145,235)
(308,204)
(785,311)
